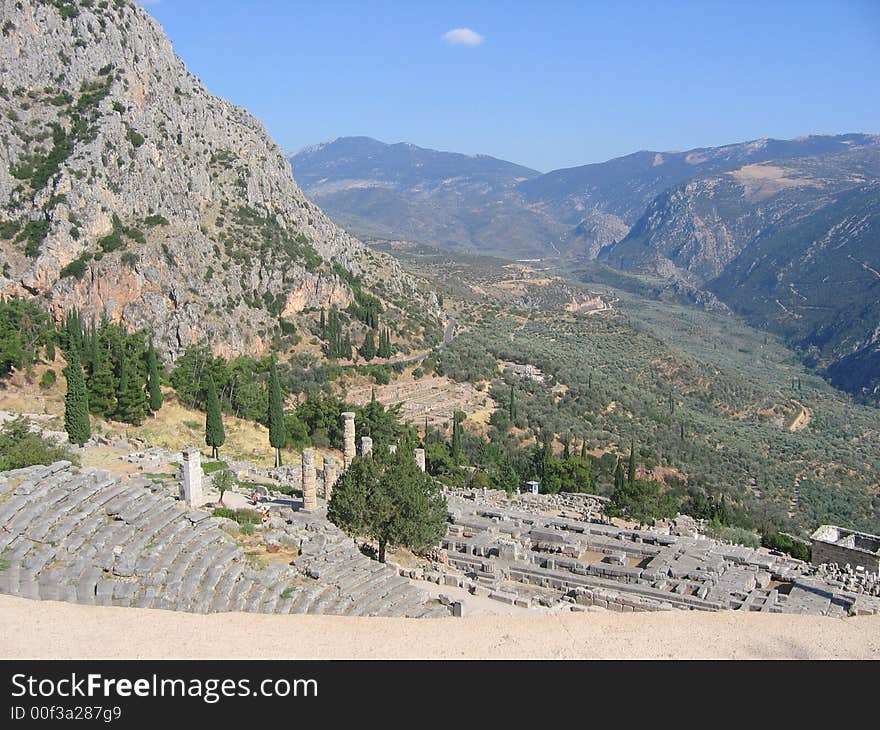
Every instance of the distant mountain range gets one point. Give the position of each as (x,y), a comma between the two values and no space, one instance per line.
(403,191)
(785,232)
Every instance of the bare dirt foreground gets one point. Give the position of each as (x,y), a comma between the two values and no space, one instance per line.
(51,630)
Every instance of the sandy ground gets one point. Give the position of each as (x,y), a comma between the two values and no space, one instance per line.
(51,630)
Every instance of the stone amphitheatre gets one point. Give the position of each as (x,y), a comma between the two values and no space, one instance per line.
(86,536)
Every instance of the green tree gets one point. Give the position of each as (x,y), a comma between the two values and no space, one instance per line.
(642,500)
(389,500)
(102,383)
(154,386)
(457,419)
(277,434)
(511,405)
(368,348)
(224,480)
(131,401)
(76,401)
(21,447)
(631,472)
(215,435)
(619,478)
(385,343)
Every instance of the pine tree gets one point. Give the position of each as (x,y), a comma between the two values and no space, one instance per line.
(277,432)
(214,433)
(154,388)
(76,402)
(102,384)
(131,401)
(631,474)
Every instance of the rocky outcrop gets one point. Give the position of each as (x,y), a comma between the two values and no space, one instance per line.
(131,192)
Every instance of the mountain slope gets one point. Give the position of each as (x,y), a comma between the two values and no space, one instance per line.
(403,191)
(818,283)
(131,192)
(789,244)
(603,200)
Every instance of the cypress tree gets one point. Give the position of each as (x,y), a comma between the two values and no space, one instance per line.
(102,383)
(131,402)
(456,436)
(153,385)
(584,449)
(323,325)
(618,475)
(511,405)
(631,475)
(277,433)
(214,433)
(368,349)
(76,402)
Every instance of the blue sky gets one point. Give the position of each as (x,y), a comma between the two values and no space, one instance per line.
(547,84)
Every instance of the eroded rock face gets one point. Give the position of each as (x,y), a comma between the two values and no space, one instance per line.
(131,192)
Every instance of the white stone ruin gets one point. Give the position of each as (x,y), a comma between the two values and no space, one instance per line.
(191,484)
(420,458)
(348,447)
(309,488)
(366,446)
(330,477)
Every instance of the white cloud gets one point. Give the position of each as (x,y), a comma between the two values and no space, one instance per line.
(463,37)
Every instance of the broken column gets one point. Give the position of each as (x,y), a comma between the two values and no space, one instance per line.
(310,492)
(191,491)
(348,448)
(420,458)
(329,476)
(366,446)
(392,448)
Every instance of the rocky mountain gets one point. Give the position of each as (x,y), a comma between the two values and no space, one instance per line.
(417,194)
(790,244)
(600,202)
(129,191)
(486,205)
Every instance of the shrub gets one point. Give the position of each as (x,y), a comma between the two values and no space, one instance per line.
(20,447)
(48,380)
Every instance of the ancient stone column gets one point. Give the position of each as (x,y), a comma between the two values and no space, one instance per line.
(420,458)
(348,448)
(329,476)
(310,492)
(191,491)
(366,446)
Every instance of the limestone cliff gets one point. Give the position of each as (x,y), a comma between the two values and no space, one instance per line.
(131,192)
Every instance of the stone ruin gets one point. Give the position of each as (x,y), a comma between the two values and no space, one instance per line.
(538,552)
(88,536)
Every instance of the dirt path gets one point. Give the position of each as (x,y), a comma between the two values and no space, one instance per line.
(802,419)
(51,630)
